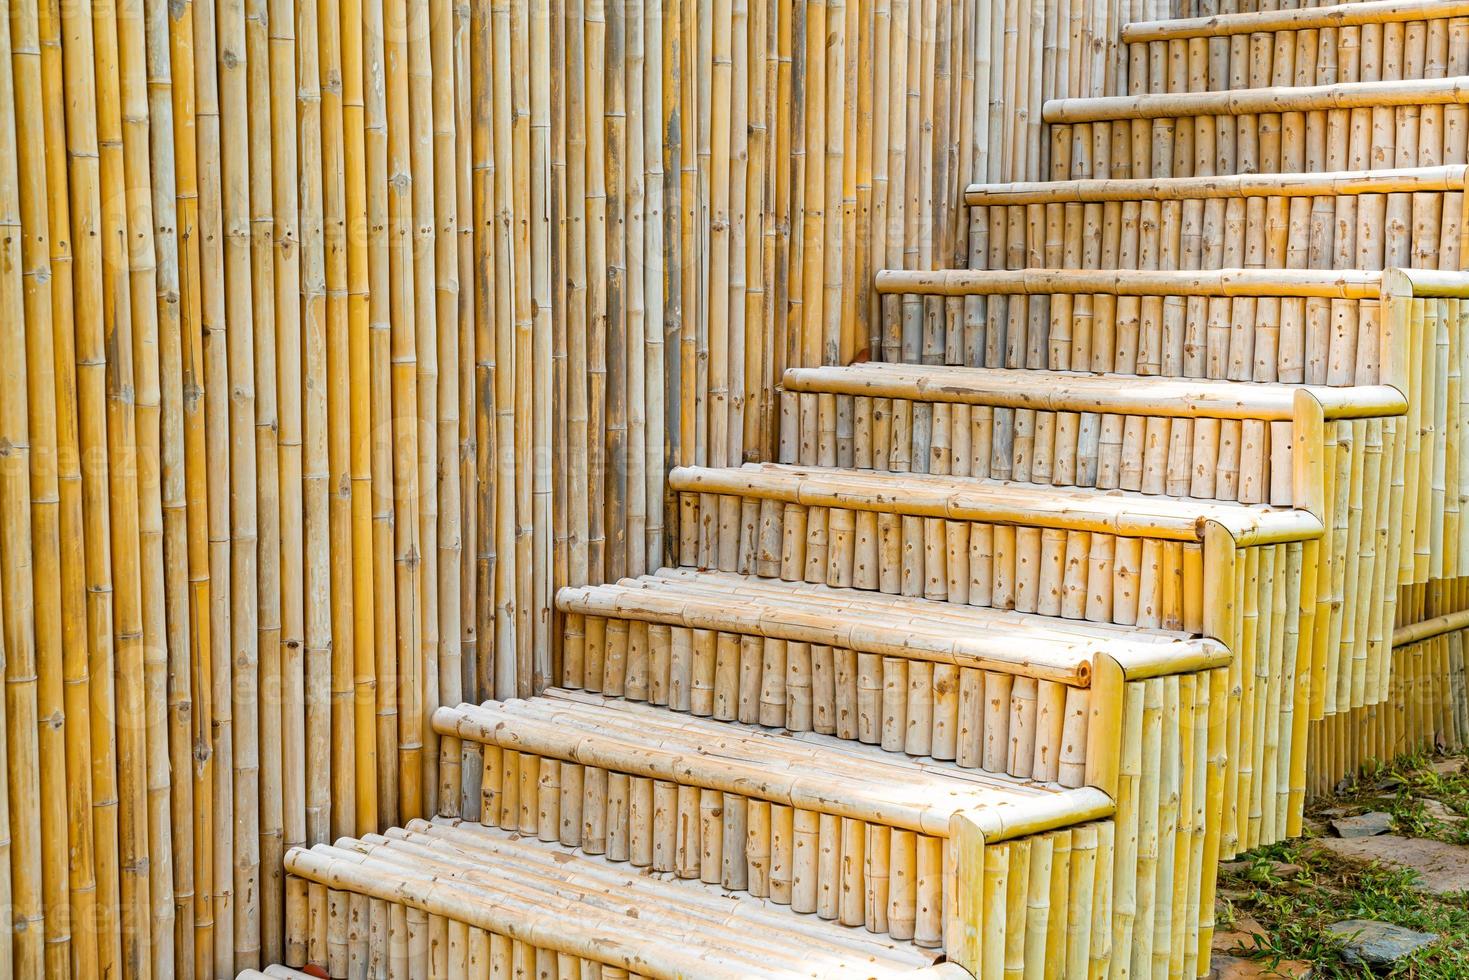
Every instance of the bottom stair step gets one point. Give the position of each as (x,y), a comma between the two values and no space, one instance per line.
(450,898)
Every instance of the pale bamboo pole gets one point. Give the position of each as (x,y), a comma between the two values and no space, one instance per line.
(656,263)
(305,617)
(506,644)
(403,326)
(447,412)
(538,597)
(575,263)
(116,339)
(380,270)
(244,558)
(278,428)
(205,366)
(421,679)
(173,499)
(634,291)
(518,203)
(82,857)
(29,209)
(463,44)
(26,860)
(612,270)
(142,266)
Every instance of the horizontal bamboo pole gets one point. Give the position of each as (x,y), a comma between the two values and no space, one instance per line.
(925,495)
(1075,392)
(1342,284)
(1402,180)
(1302,18)
(1242,102)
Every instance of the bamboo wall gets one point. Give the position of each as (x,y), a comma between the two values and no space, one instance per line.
(338,333)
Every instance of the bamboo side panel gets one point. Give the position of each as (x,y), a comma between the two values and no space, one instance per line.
(1043,902)
(980,719)
(1427,709)
(433,898)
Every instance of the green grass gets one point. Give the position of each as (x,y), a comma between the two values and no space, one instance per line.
(1295,889)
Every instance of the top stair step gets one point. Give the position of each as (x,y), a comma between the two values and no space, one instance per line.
(1294,19)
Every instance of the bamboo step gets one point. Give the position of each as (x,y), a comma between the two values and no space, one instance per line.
(1305,46)
(457,896)
(900,627)
(927,678)
(788,819)
(1306,128)
(1250,443)
(1340,219)
(952,498)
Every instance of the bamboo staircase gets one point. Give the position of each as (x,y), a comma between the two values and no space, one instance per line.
(1000,660)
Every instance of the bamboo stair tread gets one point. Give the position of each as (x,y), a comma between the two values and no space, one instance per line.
(1123,512)
(648,924)
(1327,284)
(814,772)
(1268,99)
(1294,19)
(1403,180)
(1069,391)
(873,622)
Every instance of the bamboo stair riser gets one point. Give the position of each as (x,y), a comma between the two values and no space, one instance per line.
(813,862)
(1415,44)
(1284,140)
(1245,460)
(977,718)
(1131,581)
(1334,229)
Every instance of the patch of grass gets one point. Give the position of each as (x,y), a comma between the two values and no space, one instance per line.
(1294,890)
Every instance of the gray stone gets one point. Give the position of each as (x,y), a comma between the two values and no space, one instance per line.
(1443,869)
(1448,767)
(1367,825)
(1377,944)
(1440,812)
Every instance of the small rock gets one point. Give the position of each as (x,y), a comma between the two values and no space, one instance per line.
(1239,968)
(1226,967)
(1280,869)
(1448,767)
(1440,812)
(1389,783)
(1367,825)
(1235,867)
(1443,869)
(1240,936)
(1377,944)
